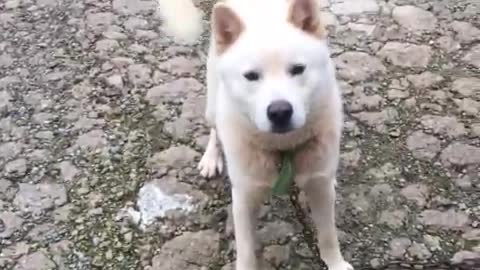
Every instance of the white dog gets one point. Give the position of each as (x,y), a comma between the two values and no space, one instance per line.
(271,89)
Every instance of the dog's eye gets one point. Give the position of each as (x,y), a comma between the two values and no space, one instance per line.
(297,69)
(252,75)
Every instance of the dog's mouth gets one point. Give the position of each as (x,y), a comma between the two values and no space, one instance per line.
(282,129)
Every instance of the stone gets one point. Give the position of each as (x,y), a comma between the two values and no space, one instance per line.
(168,198)
(394,219)
(418,193)
(16,168)
(92,140)
(350,159)
(472,57)
(6,189)
(425,80)
(366,29)
(275,232)
(47,3)
(12,4)
(423,146)
(397,94)
(467,87)
(174,157)
(179,128)
(139,74)
(447,126)
(352,7)
(181,66)
(449,220)
(468,106)
(189,251)
(472,235)
(406,54)
(106,45)
(460,154)
(134,23)
(99,21)
(67,171)
(5,101)
(43,233)
(35,261)
(414,18)
(173,91)
(16,250)
(381,190)
(475,129)
(276,254)
(386,171)
(115,81)
(361,102)
(36,198)
(464,182)
(193,108)
(10,150)
(464,255)
(10,223)
(465,32)
(448,44)
(378,120)
(432,242)
(132,7)
(5,60)
(358,66)
(398,247)
(115,35)
(419,251)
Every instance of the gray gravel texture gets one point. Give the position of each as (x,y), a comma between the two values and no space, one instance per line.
(101,127)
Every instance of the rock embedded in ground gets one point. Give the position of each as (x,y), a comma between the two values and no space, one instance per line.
(423,146)
(406,54)
(450,219)
(189,251)
(36,198)
(414,18)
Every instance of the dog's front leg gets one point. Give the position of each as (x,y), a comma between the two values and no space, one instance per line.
(320,192)
(246,203)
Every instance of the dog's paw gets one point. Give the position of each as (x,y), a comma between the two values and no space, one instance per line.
(210,164)
(343,265)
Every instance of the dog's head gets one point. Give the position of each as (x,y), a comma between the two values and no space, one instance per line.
(273,60)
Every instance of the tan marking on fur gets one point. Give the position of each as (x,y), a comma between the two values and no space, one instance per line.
(273,63)
(305,15)
(226,27)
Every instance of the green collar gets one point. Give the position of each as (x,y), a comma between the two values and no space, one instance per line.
(285,175)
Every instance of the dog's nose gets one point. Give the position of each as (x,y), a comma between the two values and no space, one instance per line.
(279,113)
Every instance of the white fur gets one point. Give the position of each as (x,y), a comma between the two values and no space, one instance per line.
(236,110)
(182,20)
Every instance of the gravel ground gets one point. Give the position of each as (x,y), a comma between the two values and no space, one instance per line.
(101,126)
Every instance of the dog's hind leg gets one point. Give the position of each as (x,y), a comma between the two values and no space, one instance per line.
(320,193)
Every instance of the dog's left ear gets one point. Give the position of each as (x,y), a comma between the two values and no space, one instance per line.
(305,15)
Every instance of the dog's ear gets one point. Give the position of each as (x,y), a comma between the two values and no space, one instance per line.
(226,26)
(305,15)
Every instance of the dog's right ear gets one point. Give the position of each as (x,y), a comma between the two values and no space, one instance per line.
(226,26)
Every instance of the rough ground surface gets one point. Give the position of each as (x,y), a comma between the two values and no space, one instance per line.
(101,127)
